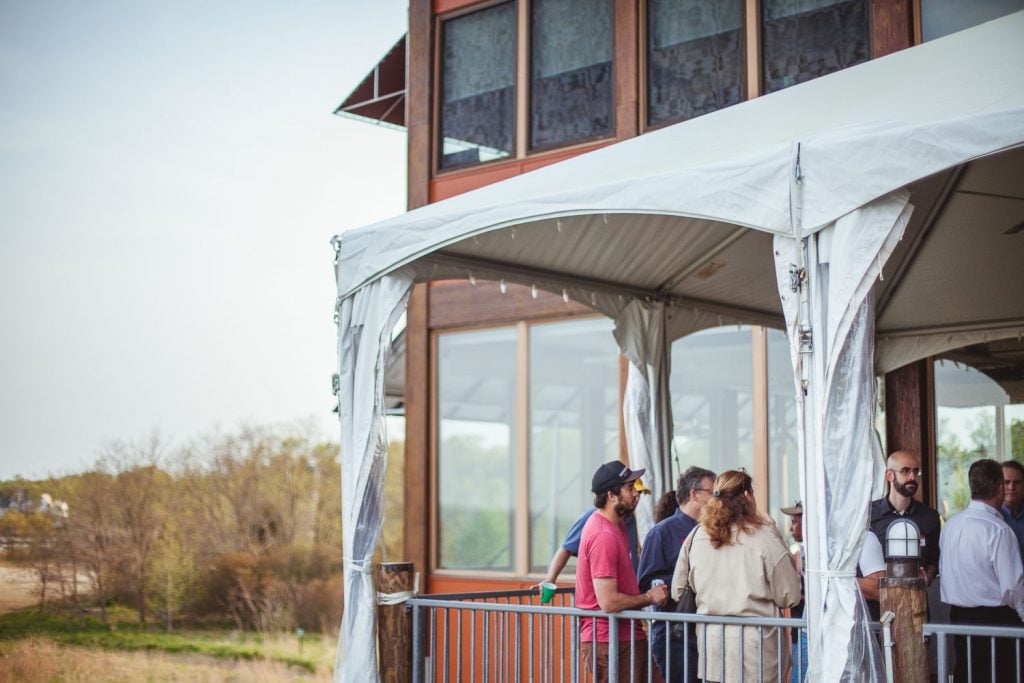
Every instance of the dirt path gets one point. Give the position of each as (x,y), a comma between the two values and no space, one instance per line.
(17,588)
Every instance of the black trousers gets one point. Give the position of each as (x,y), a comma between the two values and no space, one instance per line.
(979,661)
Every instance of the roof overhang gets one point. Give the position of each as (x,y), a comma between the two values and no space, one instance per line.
(380,97)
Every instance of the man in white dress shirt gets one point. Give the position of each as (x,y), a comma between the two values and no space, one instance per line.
(982,573)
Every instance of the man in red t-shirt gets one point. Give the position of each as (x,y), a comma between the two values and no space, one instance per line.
(605,578)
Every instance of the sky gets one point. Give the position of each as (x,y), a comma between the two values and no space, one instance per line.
(171,174)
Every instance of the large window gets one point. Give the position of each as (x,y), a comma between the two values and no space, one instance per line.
(566,55)
(694,58)
(571,85)
(975,418)
(712,393)
(566,373)
(574,424)
(476,472)
(478,101)
(804,39)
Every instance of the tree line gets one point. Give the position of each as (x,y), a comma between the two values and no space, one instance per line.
(243,527)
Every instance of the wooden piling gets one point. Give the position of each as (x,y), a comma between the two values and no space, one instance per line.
(907,599)
(394,623)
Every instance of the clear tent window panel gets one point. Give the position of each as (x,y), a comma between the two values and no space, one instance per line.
(805,39)
(712,400)
(574,424)
(478,67)
(695,61)
(571,80)
(476,473)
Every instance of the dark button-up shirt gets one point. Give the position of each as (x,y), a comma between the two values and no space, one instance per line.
(660,552)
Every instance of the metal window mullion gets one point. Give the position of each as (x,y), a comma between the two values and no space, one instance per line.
(521,540)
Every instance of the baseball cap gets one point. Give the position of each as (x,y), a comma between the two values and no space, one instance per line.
(796,508)
(612,475)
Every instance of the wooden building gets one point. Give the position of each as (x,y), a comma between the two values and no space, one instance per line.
(511,395)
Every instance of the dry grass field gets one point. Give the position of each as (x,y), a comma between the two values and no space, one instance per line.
(40,660)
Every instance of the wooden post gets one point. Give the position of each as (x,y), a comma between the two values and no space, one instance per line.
(394,623)
(903,592)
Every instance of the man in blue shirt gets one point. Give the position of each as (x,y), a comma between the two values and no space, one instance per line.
(1013,500)
(658,561)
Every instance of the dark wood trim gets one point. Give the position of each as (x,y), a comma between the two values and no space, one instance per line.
(625,66)
(458,303)
(892,26)
(419,76)
(910,418)
(416,518)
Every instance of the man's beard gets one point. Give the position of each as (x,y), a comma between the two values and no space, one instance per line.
(622,508)
(907,490)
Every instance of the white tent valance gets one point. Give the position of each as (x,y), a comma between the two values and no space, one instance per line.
(874,214)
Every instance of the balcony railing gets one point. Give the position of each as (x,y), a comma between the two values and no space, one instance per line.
(509,636)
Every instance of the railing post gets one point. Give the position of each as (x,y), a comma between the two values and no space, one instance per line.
(902,591)
(417,644)
(613,652)
(394,582)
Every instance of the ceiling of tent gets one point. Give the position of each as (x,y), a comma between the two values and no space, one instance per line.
(961,260)
(959,265)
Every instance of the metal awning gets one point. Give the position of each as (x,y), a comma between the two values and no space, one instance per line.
(381,95)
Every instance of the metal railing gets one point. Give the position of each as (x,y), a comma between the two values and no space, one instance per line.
(509,636)
(989,653)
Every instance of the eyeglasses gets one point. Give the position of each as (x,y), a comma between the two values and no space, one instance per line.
(704,490)
(907,471)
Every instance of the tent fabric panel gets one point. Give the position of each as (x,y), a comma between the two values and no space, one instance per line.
(365,322)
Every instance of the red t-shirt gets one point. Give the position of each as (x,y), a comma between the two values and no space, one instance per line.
(604,554)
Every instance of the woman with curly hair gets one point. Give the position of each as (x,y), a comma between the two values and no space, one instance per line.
(738,565)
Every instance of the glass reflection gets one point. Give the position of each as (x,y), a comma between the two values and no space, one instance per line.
(712,390)
(476,474)
(574,424)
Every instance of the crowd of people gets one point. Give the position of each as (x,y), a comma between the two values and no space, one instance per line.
(716,543)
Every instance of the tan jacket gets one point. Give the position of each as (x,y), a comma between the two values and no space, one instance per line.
(753,576)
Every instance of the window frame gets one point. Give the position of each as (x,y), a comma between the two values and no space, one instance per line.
(521,541)
(750,82)
(521,149)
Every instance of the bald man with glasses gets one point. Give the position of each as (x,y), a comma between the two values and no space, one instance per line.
(903,474)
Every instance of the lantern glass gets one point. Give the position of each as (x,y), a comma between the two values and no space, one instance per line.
(903,540)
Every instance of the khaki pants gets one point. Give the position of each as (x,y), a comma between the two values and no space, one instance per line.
(630,671)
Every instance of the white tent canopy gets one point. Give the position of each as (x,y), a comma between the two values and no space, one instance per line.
(787,210)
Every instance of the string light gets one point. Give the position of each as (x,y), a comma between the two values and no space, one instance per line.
(533,291)
(503,286)
(565,296)
(472,279)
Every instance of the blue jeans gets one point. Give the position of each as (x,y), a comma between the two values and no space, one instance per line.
(679,669)
(799,674)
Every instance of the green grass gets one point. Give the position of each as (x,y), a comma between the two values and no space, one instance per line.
(88,631)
